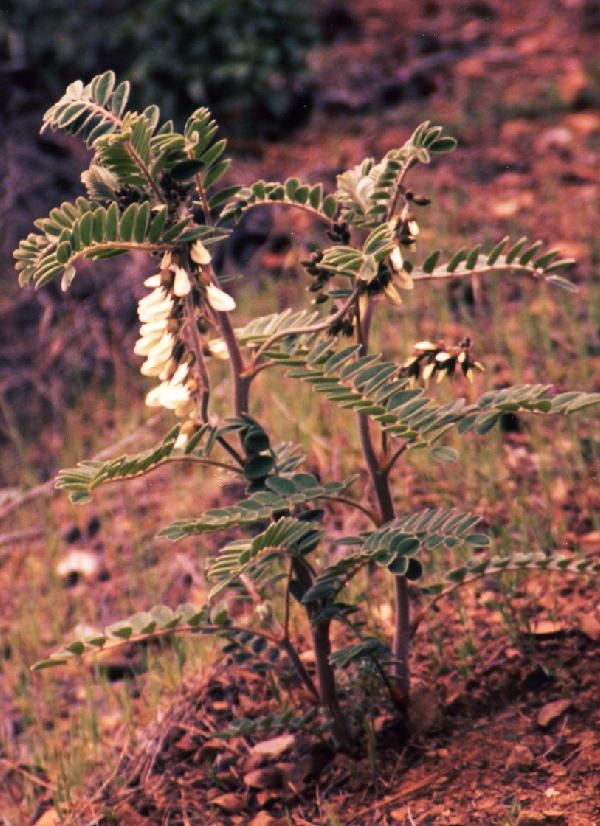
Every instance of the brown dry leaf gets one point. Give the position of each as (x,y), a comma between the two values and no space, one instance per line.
(263,819)
(590,541)
(521,757)
(268,778)
(230,802)
(547,628)
(552,711)
(590,627)
(274,747)
(49,818)
(559,491)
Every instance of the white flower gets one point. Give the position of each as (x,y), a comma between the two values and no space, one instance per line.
(67,276)
(153,281)
(396,259)
(155,306)
(169,395)
(219,300)
(165,262)
(181,441)
(218,348)
(199,254)
(182,284)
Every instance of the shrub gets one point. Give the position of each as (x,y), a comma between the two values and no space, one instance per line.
(152,189)
(244,58)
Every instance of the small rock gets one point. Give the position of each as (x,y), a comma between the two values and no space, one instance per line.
(269,778)
(551,712)
(229,802)
(273,748)
(521,757)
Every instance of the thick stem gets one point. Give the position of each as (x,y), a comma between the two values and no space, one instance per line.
(326,681)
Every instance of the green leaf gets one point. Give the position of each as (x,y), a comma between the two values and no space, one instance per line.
(184,170)
(445,144)
(430,262)
(258,467)
(127,222)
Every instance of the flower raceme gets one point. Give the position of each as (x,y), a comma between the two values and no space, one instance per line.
(165,332)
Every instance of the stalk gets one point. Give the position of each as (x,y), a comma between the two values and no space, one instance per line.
(378,474)
(326,681)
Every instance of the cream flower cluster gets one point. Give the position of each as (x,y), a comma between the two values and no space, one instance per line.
(158,341)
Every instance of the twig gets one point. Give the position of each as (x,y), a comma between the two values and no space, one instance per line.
(298,331)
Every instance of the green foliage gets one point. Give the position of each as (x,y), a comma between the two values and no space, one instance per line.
(244,58)
(517,258)
(281,494)
(286,536)
(394,547)
(152,189)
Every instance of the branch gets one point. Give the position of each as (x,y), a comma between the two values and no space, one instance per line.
(298,331)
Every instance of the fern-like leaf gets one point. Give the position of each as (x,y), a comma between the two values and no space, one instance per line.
(515,257)
(287,535)
(281,494)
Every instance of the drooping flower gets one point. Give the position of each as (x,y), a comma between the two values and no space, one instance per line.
(182,284)
(219,300)
(199,254)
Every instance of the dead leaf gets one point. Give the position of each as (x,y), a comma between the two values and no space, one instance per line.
(229,802)
(590,627)
(590,541)
(49,818)
(521,757)
(268,778)
(274,747)
(547,628)
(551,712)
(263,819)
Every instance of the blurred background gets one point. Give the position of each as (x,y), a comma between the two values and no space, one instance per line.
(306,89)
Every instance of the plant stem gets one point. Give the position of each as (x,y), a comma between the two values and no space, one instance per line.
(326,681)
(381,488)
